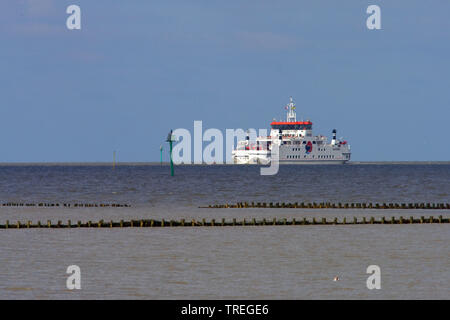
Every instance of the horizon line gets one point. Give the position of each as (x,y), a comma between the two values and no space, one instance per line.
(152,163)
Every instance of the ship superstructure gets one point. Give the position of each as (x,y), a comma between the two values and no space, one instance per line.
(294,142)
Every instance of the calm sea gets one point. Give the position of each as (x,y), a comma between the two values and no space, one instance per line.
(291,262)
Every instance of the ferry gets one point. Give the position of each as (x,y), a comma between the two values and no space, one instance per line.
(293,142)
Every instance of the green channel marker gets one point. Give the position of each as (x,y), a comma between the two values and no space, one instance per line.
(170,140)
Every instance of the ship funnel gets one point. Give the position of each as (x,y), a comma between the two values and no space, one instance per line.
(333,141)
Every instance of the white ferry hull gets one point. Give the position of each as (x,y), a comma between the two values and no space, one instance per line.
(292,142)
(313,161)
(281,162)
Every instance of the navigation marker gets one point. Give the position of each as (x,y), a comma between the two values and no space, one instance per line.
(170,139)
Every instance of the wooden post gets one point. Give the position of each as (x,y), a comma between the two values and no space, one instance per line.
(121,223)
(223,222)
(355,220)
(182,222)
(324,220)
(141,223)
(18,224)
(392,220)
(7,224)
(234,221)
(364,220)
(162,222)
(79,224)
(411,220)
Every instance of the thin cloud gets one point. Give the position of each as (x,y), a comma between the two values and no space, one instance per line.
(266,40)
(30,18)
(40,8)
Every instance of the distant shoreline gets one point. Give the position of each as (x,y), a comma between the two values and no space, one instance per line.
(109,164)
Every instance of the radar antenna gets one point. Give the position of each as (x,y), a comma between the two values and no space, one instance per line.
(291,115)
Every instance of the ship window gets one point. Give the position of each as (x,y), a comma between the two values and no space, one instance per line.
(304,142)
(314,142)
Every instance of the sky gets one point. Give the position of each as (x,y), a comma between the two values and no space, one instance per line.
(138,68)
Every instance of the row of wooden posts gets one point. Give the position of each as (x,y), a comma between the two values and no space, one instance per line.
(314,205)
(74,205)
(224,222)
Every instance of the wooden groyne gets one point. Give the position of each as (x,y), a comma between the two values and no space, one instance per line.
(223,222)
(329,205)
(67,205)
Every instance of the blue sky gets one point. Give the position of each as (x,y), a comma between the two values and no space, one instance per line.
(139,68)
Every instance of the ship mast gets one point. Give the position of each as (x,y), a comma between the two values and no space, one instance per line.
(291,115)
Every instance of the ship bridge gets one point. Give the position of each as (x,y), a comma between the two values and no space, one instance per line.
(294,125)
(291,122)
